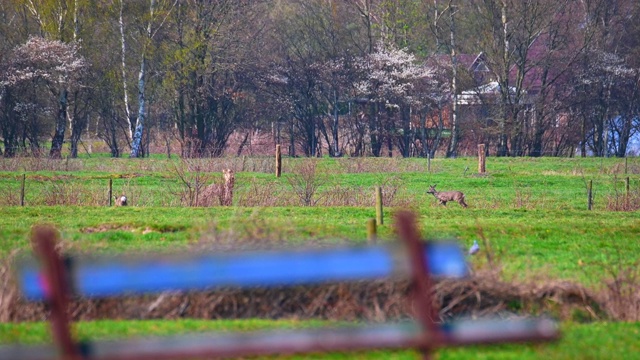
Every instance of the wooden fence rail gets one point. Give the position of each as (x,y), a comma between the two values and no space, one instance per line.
(53,278)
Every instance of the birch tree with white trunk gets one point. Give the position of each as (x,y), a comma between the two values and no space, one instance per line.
(157,16)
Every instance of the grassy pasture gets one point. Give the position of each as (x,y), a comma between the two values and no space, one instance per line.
(530,212)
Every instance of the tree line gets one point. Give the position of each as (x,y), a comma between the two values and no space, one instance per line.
(336,77)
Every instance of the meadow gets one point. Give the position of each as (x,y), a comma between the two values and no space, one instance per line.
(529,215)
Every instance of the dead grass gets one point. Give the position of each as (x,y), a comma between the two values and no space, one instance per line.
(42,163)
(192,177)
(480,295)
(259,193)
(619,295)
(357,165)
(621,200)
(10,194)
(306,180)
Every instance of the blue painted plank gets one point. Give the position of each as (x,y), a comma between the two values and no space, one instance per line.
(116,276)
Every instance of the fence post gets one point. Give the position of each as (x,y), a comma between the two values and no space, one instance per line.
(481,159)
(110,192)
(22,184)
(372,231)
(626,198)
(278,161)
(625,165)
(590,195)
(44,245)
(379,218)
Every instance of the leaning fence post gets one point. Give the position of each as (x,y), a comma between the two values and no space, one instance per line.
(421,281)
(22,184)
(110,192)
(55,275)
(481,159)
(379,218)
(278,161)
(590,195)
(372,232)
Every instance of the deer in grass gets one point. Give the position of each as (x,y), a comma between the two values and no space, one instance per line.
(446,196)
(223,192)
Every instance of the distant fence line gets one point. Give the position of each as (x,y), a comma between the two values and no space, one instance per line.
(619,193)
(37,190)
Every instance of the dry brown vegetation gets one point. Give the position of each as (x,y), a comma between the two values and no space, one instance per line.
(483,293)
(479,295)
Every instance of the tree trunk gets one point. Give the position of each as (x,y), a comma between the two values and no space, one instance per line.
(335,150)
(453,145)
(625,132)
(8,129)
(583,143)
(598,137)
(292,138)
(374,130)
(438,136)
(77,123)
(405,112)
(123,45)
(61,122)
(136,142)
(503,149)
(423,134)
(538,130)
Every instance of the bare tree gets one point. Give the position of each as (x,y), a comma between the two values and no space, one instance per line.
(211,59)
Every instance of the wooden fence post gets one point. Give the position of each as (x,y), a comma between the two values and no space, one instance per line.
(372,231)
(625,165)
(379,218)
(590,195)
(481,159)
(22,185)
(110,192)
(626,198)
(278,161)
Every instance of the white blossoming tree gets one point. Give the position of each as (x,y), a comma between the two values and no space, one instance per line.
(394,83)
(40,69)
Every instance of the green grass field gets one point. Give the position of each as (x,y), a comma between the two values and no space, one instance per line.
(530,215)
(531,212)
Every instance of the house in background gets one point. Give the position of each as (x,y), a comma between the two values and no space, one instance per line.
(473,73)
(482,101)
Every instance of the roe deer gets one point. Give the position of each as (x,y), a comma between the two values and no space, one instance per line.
(445,196)
(223,192)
